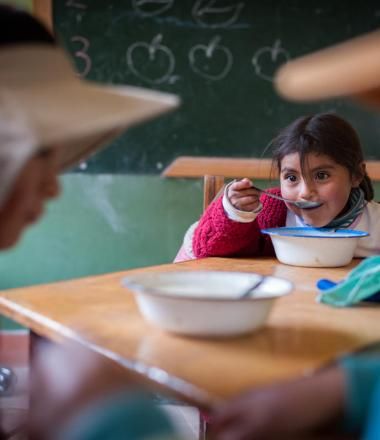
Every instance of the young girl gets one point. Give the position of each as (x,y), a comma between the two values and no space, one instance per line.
(318,158)
(344,397)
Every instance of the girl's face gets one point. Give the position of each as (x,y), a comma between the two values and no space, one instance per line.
(324,181)
(36,183)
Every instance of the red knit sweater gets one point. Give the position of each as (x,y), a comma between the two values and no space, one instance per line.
(218,236)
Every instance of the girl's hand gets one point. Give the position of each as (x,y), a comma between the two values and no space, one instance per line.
(289,410)
(242,196)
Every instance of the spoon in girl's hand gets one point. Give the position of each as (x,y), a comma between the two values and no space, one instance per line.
(302,204)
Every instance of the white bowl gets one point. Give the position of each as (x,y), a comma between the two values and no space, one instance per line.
(314,247)
(205,303)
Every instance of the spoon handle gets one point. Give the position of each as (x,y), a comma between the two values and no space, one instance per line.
(274,196)
(300,204)
(248,292)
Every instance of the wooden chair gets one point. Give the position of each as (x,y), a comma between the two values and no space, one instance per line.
(212,188)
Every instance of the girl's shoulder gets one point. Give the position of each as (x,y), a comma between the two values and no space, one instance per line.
(369,219)
(373,208)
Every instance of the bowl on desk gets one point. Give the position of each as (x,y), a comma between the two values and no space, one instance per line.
(314,247)
(205,303)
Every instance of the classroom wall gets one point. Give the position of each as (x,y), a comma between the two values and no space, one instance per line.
(103,223)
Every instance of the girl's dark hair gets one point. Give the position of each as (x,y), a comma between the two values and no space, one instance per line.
(19,27)
(324,133)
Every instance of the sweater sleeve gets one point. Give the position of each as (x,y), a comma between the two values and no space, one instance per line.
(363,377)
(219,236)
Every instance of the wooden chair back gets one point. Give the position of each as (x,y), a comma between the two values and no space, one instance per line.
(212,188)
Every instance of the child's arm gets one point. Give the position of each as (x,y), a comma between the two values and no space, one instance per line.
(288,410)
(228,227)
(226,230)
(343,399)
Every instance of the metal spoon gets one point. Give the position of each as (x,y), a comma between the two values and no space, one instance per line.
(302,204)
(248,292)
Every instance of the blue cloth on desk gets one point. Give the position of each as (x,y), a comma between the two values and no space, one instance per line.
(361,284)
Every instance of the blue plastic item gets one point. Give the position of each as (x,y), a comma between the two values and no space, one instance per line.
(324,284)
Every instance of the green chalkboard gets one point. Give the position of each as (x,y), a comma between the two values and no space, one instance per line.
(219,56)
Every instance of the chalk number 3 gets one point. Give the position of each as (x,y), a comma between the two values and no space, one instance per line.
(82,54)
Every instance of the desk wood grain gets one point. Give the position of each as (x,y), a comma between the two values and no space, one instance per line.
(300,334)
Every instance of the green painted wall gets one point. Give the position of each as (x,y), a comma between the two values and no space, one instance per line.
(103,223)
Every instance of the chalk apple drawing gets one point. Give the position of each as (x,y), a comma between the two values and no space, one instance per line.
(151,8)
(152,62)
(267,60)
(211,61)
(207,13)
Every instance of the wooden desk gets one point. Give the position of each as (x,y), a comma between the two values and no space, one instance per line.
(300,335)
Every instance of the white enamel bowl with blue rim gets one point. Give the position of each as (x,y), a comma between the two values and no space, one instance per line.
(205,303)
(314,247)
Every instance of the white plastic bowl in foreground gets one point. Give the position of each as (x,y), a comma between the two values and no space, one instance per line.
(312,247)
(205,303)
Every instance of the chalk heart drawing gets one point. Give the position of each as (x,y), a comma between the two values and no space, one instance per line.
(151,8)
(268,59)
(213,15)
(211,61)
(152,62)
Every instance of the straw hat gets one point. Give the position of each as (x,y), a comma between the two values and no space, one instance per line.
(43,103)
(63,110)
(350,68)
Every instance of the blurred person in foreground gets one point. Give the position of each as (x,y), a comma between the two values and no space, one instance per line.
(50,120)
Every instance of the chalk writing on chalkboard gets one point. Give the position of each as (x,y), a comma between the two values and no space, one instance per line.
(154,62)
(204,12)
(278,55)
(150,8)
(220,57)
(201,54)
(82,54)
(141,54)
(75,4)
